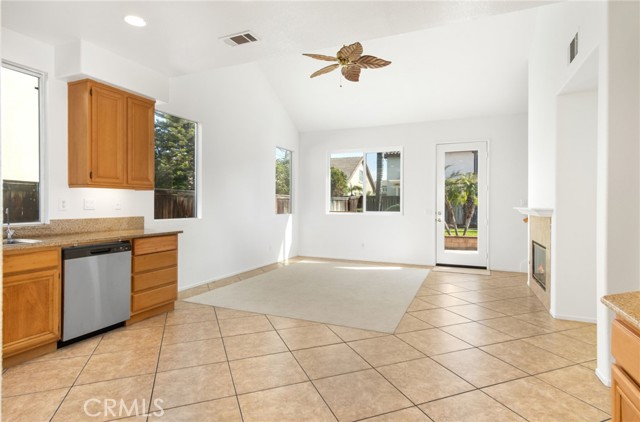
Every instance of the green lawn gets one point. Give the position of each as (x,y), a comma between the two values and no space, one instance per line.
(470,232)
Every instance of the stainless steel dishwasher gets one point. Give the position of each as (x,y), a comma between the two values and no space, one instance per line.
(96,288)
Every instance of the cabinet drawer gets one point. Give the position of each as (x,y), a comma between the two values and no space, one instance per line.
(154,279)
(147,245)
(28,261)
(154,261)
(625,347)
(625,396)
(152,298)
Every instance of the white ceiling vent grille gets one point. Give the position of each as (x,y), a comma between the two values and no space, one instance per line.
(244,37)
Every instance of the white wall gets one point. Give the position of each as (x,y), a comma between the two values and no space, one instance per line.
(410,236)
(573,236)
(610,31)
(242,122)
(549,70)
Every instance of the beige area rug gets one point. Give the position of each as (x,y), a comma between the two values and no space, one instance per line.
(353,295)
(458,270)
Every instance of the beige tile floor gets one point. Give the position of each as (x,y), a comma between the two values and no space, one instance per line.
(470,348)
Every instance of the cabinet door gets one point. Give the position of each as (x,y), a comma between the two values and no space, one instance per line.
(140,141)
(625,397)
(108,137)
(31,310)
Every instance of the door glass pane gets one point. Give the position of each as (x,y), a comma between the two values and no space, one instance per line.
(461,201)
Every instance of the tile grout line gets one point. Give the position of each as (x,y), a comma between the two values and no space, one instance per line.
(233,383)
(155,372)
(382,375)
(303,370)
(76,380)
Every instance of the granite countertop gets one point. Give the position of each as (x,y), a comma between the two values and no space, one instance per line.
(626,305)
(84,238)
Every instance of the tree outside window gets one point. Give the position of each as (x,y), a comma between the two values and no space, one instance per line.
(175,167)
(283,181)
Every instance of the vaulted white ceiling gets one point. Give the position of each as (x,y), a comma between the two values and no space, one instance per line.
(450,58)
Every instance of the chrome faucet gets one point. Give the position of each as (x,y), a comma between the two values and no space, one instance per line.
(10,232)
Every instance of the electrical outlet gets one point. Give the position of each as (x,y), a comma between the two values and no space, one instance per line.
(118,205)
(62,205)
(89,204)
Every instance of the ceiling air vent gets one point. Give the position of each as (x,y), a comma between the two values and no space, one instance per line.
(244,37)
(573,48)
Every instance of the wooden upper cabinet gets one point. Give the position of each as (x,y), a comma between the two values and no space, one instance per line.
(141,160)
(108,140)
(111,137)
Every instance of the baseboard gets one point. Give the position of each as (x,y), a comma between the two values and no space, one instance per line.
(202,283)
(359,261)
(573,318)
(603,379)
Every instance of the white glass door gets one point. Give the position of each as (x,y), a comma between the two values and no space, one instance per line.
(461,209)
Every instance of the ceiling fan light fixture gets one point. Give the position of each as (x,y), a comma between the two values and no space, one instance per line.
(136,21)
(351,60)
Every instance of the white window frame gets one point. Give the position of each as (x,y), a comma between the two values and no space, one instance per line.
(364,151)
(290,181)
(42,101)
(198,174)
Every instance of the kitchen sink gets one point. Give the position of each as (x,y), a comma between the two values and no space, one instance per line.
(18,241)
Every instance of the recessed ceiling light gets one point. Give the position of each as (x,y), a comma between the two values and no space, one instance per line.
(135,21)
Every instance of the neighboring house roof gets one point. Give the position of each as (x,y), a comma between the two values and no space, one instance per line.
(347,165)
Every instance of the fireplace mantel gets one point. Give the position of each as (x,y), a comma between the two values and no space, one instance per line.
(538,212)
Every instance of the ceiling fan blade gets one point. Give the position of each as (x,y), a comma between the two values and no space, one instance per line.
(371,62)
(351,73)
(321,57)
(324,70)
(350,52)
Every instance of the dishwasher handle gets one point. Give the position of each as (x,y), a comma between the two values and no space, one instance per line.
(100,251)
(95,250)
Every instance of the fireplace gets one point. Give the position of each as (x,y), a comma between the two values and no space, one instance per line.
(539,264)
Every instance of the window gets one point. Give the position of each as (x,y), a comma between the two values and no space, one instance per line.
(283,181)
(365,182)
(22,93)
(175,150)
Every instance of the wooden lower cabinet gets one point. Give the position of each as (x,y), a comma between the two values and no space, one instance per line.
(625,396)
(625,373)
(154,279)
(32,293)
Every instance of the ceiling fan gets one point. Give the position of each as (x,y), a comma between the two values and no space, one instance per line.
(351,60)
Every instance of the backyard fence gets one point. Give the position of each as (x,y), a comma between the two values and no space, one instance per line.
(354,203)
(170,203)
(283,204)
